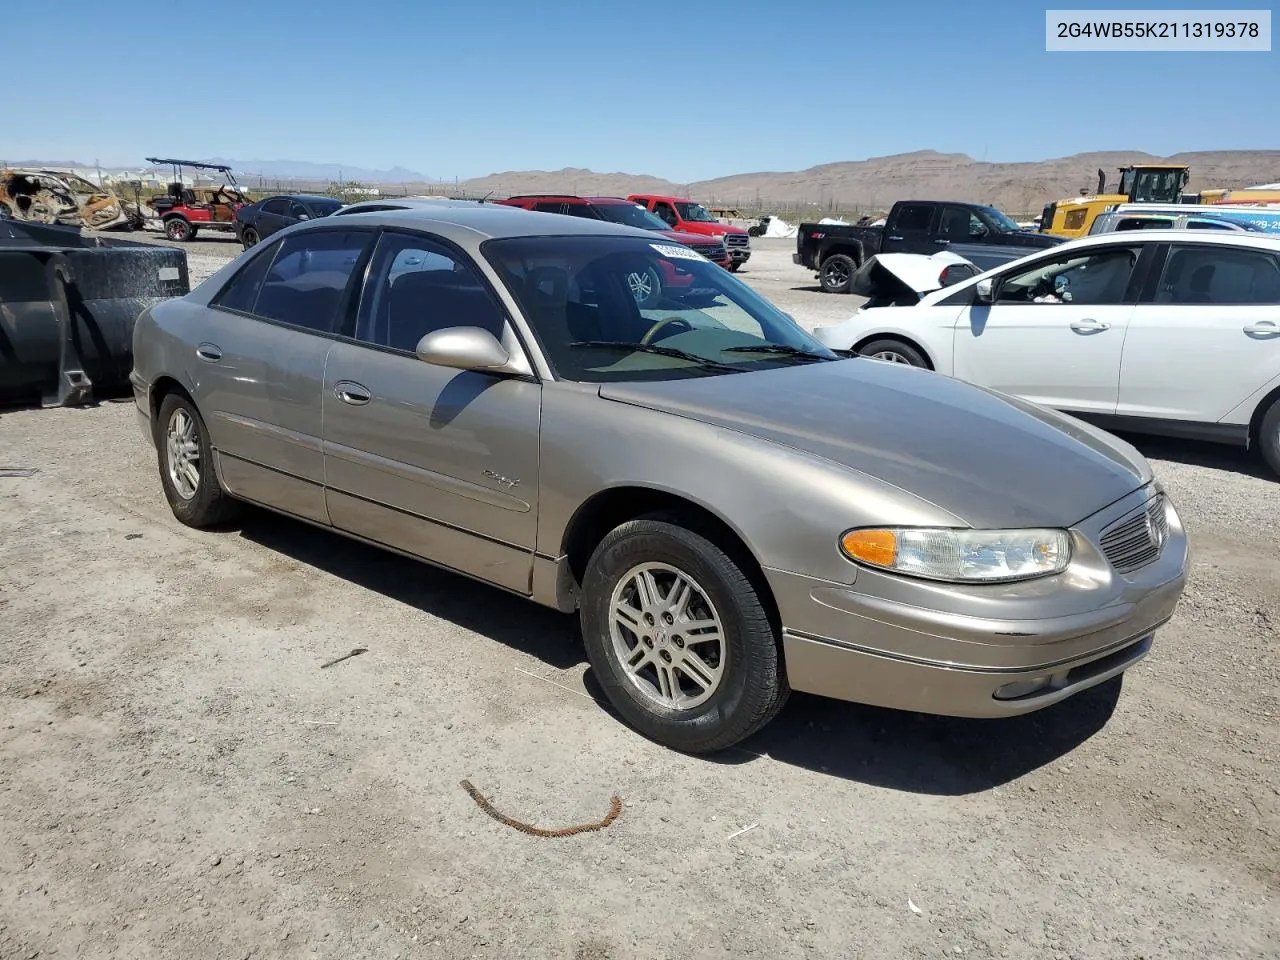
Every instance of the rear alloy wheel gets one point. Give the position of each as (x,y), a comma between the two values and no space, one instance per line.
(186,465)
(178,229)
(249,237)
(894,351)
(678,638)
(645,286)
(836,273)
(1269,436)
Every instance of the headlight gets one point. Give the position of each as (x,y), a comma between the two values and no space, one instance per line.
(963,556)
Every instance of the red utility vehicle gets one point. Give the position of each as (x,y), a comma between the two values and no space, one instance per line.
(184,210)
(689,217)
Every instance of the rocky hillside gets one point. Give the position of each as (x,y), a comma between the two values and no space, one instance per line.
(874,183)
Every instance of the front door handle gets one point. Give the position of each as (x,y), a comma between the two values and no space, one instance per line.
(209,352)
(1264,328)
(895,238)
(943,241)
(348,391)
(1090,326)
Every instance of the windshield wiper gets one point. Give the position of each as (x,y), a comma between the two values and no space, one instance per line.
(626,345)
(779,348)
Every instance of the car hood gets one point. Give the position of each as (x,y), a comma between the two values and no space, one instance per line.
(692,239)
(990,460)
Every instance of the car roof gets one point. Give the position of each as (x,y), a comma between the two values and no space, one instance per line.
(1270,243)
(475,223)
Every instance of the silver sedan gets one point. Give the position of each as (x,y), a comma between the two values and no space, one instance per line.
(733,510)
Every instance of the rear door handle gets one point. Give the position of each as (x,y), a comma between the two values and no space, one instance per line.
(1263,328)
(348,391)
(209,352)
(1089,326)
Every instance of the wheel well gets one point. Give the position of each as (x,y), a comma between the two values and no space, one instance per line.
(853,252)
(614,507)
(857,347)
(1255,422)
(161,389)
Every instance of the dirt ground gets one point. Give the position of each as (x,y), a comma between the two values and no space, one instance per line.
(182,776)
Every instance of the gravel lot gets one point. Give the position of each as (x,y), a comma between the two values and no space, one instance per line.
(180,777)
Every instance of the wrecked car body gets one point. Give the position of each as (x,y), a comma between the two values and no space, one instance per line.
(68,303)
(902,279)
(61,197)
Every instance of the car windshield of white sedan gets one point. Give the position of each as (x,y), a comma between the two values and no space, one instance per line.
(618,308)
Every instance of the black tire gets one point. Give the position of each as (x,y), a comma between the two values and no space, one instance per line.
(210,505)
(645,286)
(753,686)
(249,237)
(735,265)
(178,229)
(836,273)
(894,351)
(1269,436)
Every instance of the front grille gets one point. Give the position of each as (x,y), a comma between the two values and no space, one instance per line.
(712,251)
(737,240)
(1136,540)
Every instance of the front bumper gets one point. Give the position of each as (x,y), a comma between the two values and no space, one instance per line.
(978,651)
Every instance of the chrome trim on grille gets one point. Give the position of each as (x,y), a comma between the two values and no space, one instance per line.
(737,240)
(1137,539)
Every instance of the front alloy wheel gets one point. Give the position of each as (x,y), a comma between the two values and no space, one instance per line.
(677,634)
(667,636)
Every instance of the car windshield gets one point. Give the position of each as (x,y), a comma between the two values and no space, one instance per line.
(630,215)
(695,212)
(608,309)
(1002,220)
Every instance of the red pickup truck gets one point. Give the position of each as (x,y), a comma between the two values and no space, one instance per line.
(689,217)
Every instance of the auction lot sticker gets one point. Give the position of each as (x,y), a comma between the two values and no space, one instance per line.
(1157,31)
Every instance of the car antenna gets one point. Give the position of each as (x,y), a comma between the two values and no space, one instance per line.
(486,196)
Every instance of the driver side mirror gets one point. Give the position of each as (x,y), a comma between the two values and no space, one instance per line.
(979,230)
(984,291)
(463,348)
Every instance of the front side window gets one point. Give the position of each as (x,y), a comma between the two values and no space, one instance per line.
(278,205)
(1096,278)
(695,212)
(417,286)
(308,277)
(620,308)
(1219,275)
(960,224)
(666,212)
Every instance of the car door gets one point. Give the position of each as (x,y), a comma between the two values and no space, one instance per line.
(437,462)
(1206,336)
(912,229)
(1054,334)
(259,366)
(274,216)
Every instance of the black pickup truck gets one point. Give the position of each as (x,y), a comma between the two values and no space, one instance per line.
(980,234)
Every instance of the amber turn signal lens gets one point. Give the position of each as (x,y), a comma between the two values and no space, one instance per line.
(877,547)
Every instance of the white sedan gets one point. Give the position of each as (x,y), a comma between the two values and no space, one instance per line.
(1161,332)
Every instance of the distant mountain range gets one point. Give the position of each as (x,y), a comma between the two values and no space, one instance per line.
(925,175)
(867,185)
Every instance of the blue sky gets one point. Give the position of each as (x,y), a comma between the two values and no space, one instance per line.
(684,90)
